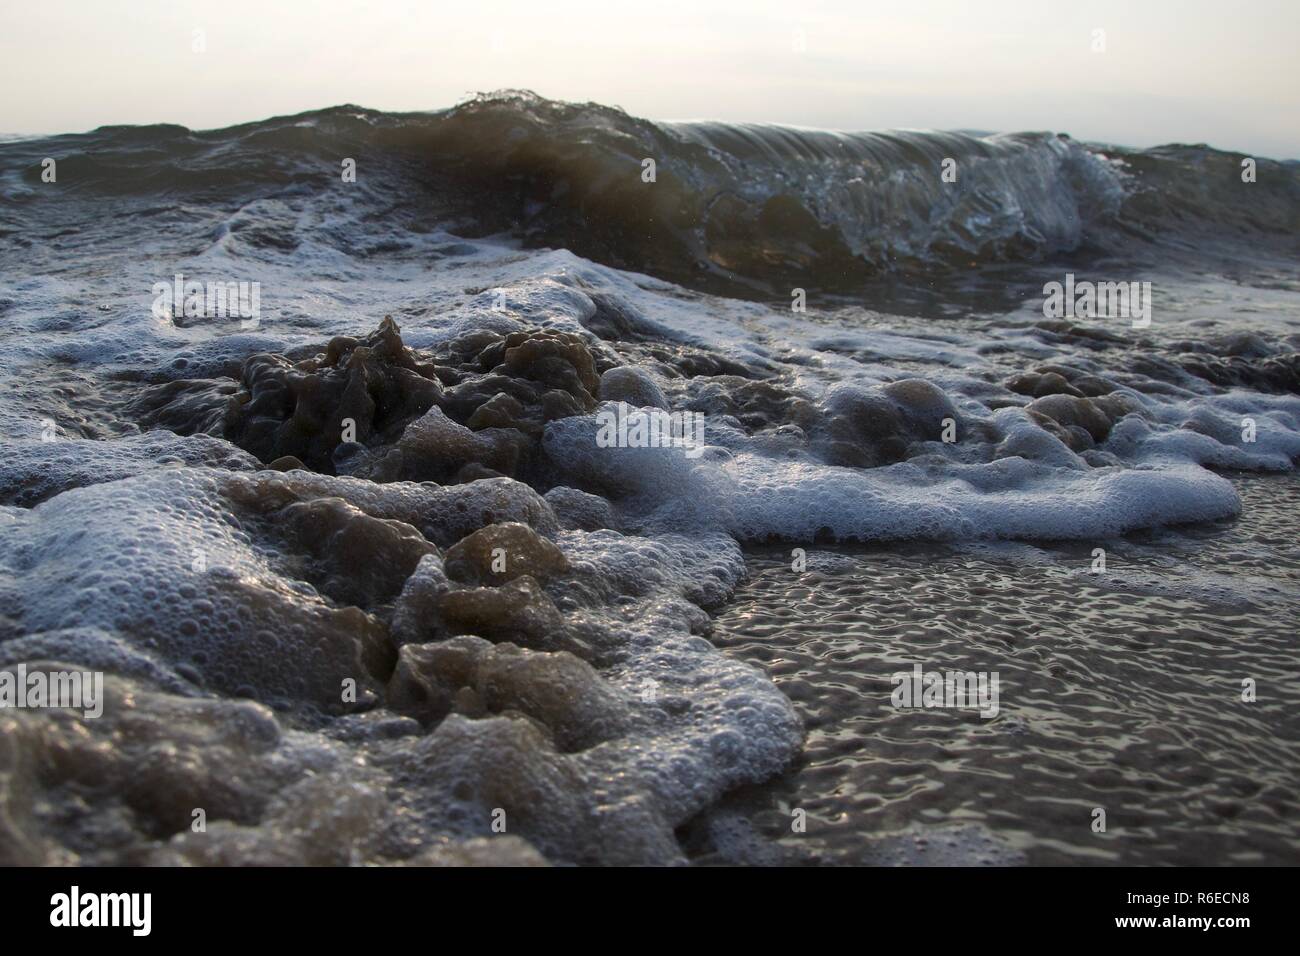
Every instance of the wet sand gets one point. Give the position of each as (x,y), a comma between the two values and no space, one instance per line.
(1119,690)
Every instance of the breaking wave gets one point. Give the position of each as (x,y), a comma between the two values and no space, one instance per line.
(750,206)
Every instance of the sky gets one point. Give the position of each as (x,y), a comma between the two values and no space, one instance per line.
(1168,70)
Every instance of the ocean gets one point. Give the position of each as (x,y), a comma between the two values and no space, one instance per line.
(526,482)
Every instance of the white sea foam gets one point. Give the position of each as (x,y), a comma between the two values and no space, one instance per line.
(161,559)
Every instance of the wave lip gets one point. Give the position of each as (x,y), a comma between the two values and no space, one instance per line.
(752,202)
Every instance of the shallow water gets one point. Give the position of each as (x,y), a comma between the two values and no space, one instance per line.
(1119,689)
